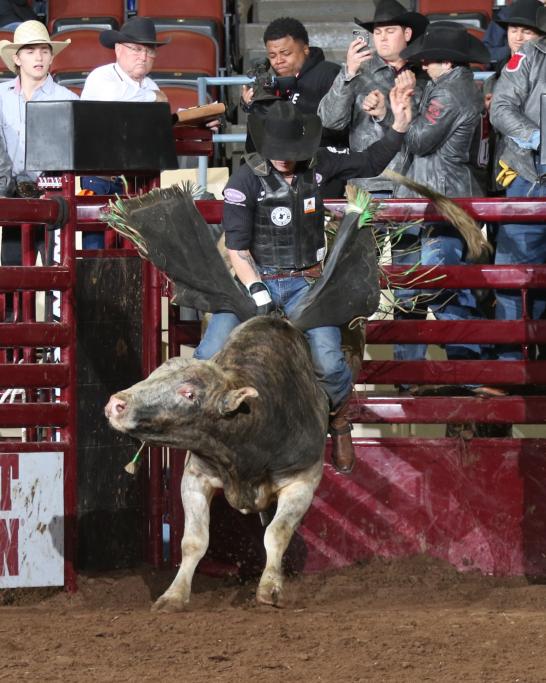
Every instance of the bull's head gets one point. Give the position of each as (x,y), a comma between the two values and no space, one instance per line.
(177,403)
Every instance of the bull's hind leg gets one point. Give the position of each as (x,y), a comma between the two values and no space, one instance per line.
(197,490)
(293,502)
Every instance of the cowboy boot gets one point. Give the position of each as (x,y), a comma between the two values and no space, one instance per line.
(343,454)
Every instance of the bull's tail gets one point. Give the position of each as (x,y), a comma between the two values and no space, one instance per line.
(476,243)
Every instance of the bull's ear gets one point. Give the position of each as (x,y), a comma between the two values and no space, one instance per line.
(233,399)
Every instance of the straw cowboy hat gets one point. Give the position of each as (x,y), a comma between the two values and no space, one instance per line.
(284,133)
(522,13)
(138,30)
(445,42)
(29,33)
(391,12)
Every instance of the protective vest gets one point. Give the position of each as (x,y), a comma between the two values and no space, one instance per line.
(289,220)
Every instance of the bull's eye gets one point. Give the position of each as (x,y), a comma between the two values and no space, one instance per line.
(187,392)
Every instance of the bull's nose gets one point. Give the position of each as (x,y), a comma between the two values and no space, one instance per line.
(115,407)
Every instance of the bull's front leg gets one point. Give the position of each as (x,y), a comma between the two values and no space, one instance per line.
(293,502)
(197,490)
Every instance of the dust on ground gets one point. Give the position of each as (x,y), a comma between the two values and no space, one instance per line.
(400,621)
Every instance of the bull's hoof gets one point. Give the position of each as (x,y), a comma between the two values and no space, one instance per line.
(169,604)
(271,596)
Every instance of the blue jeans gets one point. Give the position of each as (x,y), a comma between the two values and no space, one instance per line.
(100,186)
(441,245)
(329,361)
(520,243)
(407,252)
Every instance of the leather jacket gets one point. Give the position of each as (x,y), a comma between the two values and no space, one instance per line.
(342,106)
(440,137)
(515,109)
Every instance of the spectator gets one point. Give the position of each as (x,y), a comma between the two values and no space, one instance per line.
(14,12)
(521,27)
(370,71)
(439,140)
(515,113)
(290,56)
(125,80)
(29,56)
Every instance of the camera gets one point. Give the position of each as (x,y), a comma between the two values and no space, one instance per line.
(270,84)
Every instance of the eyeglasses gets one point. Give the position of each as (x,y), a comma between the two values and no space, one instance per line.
(141,50)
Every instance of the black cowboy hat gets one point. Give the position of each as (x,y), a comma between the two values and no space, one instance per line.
(447,43)
(284,133)
(522,13)
(541,19)
(389,12)
(139,30)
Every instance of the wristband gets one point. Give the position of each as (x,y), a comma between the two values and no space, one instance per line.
(259,292)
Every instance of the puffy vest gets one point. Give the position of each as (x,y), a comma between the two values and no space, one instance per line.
(289,220)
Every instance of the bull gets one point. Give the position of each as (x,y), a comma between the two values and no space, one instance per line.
(254,420)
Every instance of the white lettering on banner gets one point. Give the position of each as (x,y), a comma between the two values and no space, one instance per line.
(31,519)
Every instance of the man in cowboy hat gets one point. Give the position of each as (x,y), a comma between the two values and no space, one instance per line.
(495,38)
(125,80)
(29,56)
(274,230)
(519,23)
(515,113)
(439,140)
(367,70)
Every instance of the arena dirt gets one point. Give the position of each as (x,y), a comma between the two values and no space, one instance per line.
(405,621)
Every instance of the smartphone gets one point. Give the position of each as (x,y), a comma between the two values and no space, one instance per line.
(365,37)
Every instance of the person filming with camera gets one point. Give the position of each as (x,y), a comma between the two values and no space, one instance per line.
(294,71)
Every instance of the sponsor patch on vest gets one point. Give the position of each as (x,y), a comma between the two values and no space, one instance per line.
(281,215)
(234,196)
(321,253)
(309,205)
(515,61)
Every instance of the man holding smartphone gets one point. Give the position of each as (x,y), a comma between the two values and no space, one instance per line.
(369,69)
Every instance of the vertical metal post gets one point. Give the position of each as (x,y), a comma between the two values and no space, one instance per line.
(151,291)
(69,393)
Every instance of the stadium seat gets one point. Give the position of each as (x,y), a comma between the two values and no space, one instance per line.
(187,52)
(188,56)
(72,65)
(180,96)
(68,15)
(202,16)
(476,13)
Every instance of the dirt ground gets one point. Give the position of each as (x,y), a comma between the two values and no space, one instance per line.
(408,620)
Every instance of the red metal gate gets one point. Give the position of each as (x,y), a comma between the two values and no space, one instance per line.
(49,419)
(477,503)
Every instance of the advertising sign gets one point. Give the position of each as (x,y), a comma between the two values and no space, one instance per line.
(31,520)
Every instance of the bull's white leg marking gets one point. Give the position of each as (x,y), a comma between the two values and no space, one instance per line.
(293,502)
(197,491)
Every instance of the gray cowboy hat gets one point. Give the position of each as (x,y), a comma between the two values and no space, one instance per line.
(522,13)
(139,30)
(389,12)
(284,133)
(447,43)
